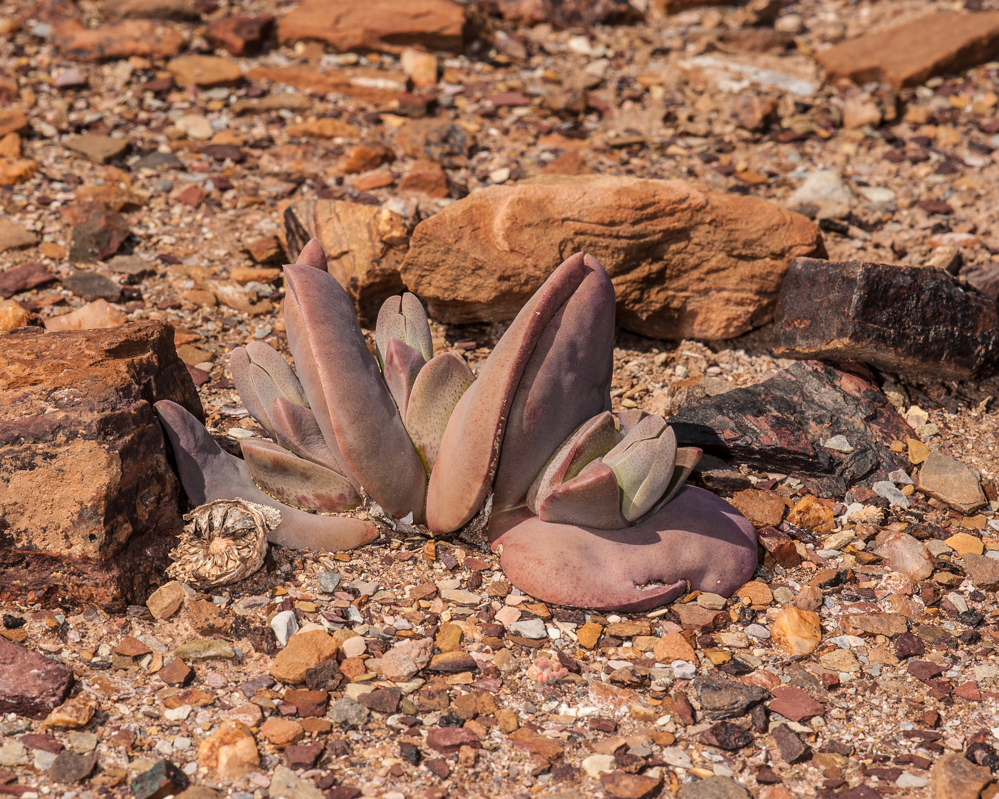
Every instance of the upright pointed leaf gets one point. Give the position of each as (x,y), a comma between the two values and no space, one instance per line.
(295,481)
(642,487)
(566,382)
(437,389)
(466,462)
(313,255)
(280,371)
(351,402)
(687,459)
(241,368)
(417,326)
(402,365)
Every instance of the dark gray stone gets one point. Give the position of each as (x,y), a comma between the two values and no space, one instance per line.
(722,698)
(92,286)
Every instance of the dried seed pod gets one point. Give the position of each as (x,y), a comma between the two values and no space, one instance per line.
(223,542)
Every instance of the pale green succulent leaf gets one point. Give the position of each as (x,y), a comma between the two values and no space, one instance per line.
(437,389)
(280,371)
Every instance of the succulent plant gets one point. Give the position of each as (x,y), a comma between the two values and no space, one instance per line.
(586,507)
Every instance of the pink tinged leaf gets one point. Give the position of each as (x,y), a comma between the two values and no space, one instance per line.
(591,499)
(697,540)
(279,370)
(241,368)
(295,481)
(438,387)
(402,365)
(296,429)
(351,402)
(417,326)
(313,255)
(391,324)
(591,440)
(469,450)
(566,381)
(208,473)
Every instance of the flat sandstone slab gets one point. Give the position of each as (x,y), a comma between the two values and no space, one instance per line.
(900,319)
(912,53)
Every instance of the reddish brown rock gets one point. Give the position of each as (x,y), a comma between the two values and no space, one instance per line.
(953,776)
(901,319)
(426,177)
(88,502)
(204,70)
(178,10)
(31,685)
(387,26)
(794,704)
(15,237)
(241,35)
(12,120)
(449,740)
(365,246)
(24,278)
(685,262)
(629,786)
(762,508)
(133,37)
(911,53)
(365,83)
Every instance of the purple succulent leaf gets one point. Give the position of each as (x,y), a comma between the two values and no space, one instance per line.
(470,448)
(401,367)
(436,391)
(697,540)
(207,473)
(643,463)
(348,396)
(591,440)
(687,459)
(241,369)
(296,481)
(566,381)
(403,319)
(296,430)
(279,370)
(313,255)
(592,498)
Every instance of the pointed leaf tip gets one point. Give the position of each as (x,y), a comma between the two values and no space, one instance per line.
(314,255)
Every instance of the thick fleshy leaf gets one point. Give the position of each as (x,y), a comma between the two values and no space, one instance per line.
(279,370)
(403,319)
(469,451)
(436,391)
(296,481)
(697,541)
(208,473)
(591,440)
(349,398)
(592,499)
(241,369)
(313,255)
(643,463)
(402,365)
(296,429)
(687,459)
(566,382)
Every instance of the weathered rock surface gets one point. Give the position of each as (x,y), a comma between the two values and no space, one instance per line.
(364,247)
(15,237)
(563,13)
(911,53)
(901,319)
(951,481)
(781,424)
(31,685)
(685,262)
(387,26)
(132,37)
(88,502)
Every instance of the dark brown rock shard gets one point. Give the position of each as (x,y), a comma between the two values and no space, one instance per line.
(31,685)
(901,319)
(782,423)
(88,502)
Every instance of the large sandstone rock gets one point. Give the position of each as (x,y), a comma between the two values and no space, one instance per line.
(364,247)
(686,262)
(385,25)
(88,502)
(903,319)
(910,54)
(131,37)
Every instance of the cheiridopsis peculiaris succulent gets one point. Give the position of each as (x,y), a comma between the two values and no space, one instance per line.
(588,507)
